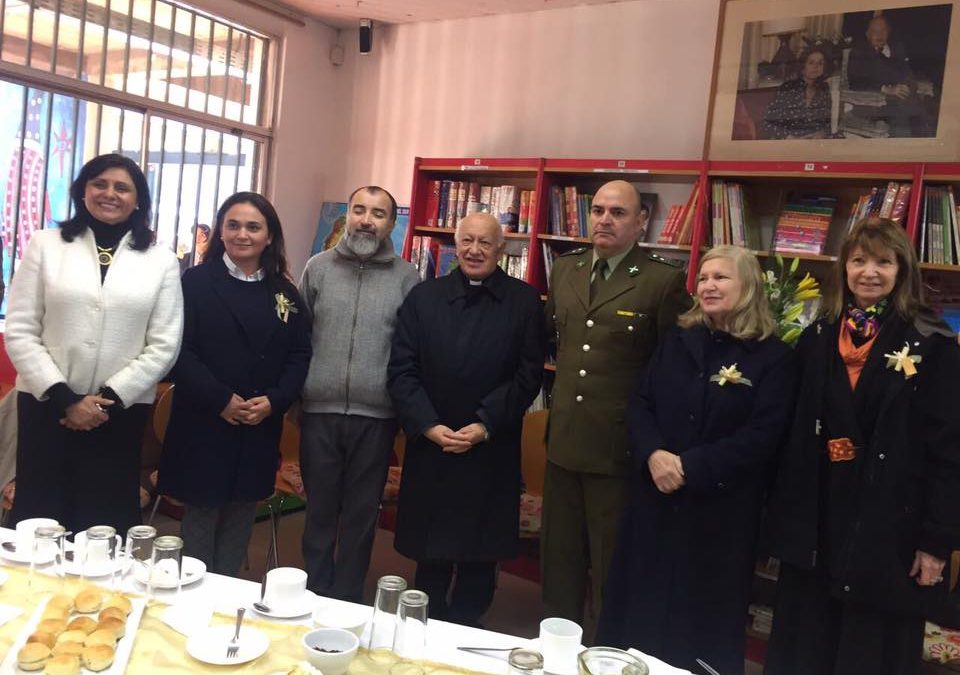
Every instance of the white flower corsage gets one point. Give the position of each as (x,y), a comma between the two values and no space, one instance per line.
(904,361)
(284,307)
(730,374)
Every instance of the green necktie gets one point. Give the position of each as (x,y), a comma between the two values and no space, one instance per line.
(599,277)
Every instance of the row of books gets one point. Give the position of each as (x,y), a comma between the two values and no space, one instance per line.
(803,225)
(433,257)
(939,232)
(569,212)
(678,226)
(448,201)
(883,202)
(729,216)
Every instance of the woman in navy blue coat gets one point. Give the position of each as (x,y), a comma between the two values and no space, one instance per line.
(704,423)
(245,354)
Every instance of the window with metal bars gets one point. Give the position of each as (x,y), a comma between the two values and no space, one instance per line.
(177,90)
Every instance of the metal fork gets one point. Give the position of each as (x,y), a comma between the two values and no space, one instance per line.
(234,645)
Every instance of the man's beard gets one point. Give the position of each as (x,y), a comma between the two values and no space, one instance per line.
(362,245)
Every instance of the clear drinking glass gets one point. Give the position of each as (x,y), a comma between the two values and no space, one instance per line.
(383,628)
(524,662)
(47,542)
(139,549)
(165,561)
(411,639)
(101,544)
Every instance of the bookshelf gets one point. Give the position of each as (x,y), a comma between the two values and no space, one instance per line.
(767,186)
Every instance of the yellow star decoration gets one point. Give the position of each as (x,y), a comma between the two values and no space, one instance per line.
(285,307)
(730,374)
(904,361)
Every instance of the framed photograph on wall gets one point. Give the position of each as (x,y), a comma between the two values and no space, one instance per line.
(878,81)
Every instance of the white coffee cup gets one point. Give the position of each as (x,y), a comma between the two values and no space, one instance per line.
(25,532)
(285,586)
(560,644)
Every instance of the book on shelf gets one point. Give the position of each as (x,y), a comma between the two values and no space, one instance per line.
(549,255)
(939,229)
(678,226)
(889,201)
(433,204)
(728,215)
(515,264)
(423,252)
(448,201)
(569,211)
(446,259)
(803,225)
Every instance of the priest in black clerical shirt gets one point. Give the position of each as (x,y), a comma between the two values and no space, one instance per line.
(467,361)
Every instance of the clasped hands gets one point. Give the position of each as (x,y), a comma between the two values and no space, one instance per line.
(250,411)
(927,569)
(456,441)
(86,414)
(666,469)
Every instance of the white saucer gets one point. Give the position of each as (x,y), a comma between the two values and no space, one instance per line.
(570,669)
(193,571)
(17,556)
(300,607)
(93,569)
(210,645)
(3,577)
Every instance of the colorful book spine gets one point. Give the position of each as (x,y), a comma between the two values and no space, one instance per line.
(433,203)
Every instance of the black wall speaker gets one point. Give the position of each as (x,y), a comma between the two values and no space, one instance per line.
(366,36)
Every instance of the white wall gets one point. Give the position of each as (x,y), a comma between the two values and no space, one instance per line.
(312,120)
(628,79)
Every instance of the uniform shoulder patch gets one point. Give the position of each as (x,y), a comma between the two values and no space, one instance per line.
(576,251)
(665,261)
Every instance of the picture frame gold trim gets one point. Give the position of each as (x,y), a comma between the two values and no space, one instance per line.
(735,14)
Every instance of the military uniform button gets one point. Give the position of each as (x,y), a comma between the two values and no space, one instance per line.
(589,323)
(579,398)
(692,417)
(882,456)
(630,328)
(586,348)
(583,373)
(846,589)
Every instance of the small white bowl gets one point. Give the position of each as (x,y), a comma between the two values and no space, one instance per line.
(335,662)
(342,615)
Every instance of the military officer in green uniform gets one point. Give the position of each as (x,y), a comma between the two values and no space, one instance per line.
(608,308)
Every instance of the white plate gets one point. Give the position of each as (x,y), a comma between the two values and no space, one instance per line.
(570,669)
(210,645)
(291,610)
(193,571)
(20,557)
(93,569)
(3,577)
(124,646)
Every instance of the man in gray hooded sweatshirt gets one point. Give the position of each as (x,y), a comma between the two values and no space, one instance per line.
(353,292)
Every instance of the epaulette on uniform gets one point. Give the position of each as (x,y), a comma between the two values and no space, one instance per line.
(576,251)
(665,261)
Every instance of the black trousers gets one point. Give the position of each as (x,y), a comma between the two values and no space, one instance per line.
(343,461)
(218,535)
(473,586)
(80,478)
(815,633)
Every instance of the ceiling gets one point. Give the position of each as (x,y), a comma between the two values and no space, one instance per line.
(347,13)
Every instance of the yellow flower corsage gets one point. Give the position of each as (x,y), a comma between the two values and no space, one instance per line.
(730,374)
(904,361)
(284,307)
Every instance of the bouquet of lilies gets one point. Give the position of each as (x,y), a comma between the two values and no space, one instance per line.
(788,297)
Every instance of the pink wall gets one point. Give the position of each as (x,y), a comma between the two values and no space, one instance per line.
(628,79)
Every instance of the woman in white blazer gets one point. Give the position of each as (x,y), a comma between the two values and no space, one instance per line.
(94,321)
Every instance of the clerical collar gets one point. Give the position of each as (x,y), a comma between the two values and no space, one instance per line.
(237,273)
(475,282)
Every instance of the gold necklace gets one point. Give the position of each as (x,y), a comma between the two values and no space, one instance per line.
(105,255)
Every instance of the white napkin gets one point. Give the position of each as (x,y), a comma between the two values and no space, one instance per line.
(188,618)
(658,667)
(9,613)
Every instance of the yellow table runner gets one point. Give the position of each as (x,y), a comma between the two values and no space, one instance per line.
(157,648)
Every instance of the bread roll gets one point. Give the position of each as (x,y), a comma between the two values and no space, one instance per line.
(71,636)
(118,626)
(61,600)
(97,657)
(55,612)
(69,647)
(48,639)
(101,637)
(88,601)
(121,602)
(84,623)
(33,656)
(52,626)
(112,613)
(65,664)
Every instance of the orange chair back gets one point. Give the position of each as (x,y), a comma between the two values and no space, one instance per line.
(533,447)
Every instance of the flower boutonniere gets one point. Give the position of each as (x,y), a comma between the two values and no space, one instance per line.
(730,374)
(904,361)
(284,307)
